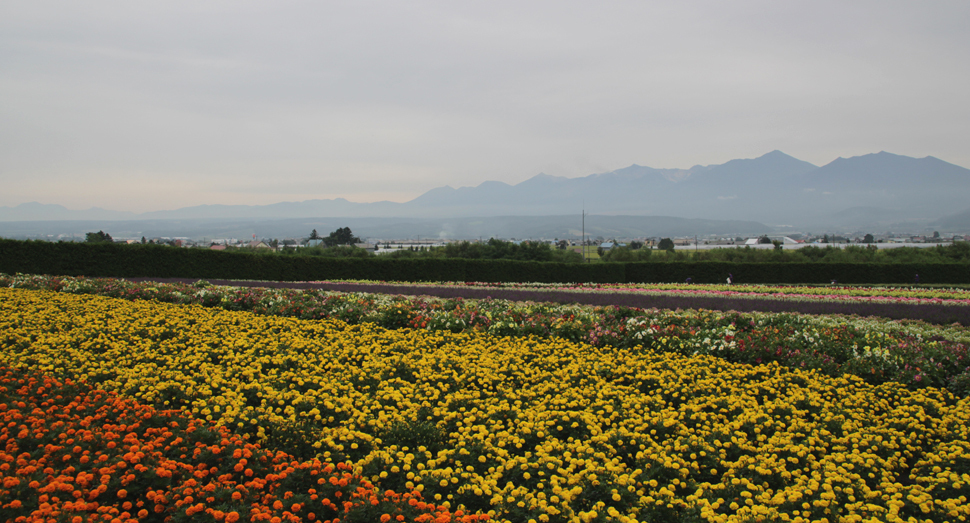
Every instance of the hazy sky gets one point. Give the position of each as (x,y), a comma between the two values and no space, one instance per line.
(158,105)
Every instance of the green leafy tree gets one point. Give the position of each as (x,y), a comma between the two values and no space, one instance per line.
(98,237)
(342,236)
(314,235)
(666,244)
(567,256)
(868,238)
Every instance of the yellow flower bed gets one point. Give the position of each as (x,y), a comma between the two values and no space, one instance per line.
(527,429)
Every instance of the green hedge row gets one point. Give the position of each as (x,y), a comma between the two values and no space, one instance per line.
(791,272)
(82,259)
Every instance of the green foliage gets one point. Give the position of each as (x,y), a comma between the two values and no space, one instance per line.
(491,250)
(566,256)
(957,252)
(666,244)
(852,265)
(98,237)
(342,236)
(337,251)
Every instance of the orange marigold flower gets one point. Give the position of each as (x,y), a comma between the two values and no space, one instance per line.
(232,517)
(122,493)
(385,518)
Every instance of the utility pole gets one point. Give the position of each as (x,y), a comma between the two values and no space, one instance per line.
(584,233)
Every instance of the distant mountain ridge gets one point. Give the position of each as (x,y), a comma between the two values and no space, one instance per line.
(776,188)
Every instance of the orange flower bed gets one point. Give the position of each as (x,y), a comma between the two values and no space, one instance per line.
(72,453)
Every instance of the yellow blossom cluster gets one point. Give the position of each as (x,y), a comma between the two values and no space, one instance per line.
(525,429)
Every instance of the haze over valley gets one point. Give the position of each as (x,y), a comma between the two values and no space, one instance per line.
(774,192)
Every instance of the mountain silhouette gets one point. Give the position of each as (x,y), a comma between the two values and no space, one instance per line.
(774,188)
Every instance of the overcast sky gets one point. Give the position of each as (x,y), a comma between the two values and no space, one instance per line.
(157,105)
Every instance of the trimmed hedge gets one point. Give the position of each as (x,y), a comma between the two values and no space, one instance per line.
(797,272)
(156,261)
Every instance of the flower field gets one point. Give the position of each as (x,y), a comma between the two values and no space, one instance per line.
(877,350)
(522,428)
(77,454)
(940,306)
(954,296)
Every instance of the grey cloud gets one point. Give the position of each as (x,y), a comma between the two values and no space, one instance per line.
(408,96)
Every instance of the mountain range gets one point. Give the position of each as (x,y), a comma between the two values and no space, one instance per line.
(871,191)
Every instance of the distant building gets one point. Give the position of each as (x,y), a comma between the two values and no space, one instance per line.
(610,244)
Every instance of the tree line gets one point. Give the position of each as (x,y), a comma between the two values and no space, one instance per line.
(341,244)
